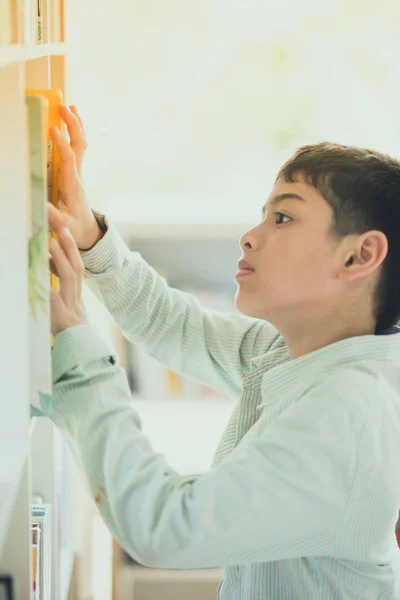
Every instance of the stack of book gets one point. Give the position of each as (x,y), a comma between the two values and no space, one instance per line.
(40,22)
(49,21)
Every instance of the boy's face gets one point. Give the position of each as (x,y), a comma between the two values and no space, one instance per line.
(295,258)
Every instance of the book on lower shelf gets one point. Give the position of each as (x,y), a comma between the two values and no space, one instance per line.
(41,551)
(35,560)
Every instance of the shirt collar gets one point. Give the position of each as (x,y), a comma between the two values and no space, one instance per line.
(280,373)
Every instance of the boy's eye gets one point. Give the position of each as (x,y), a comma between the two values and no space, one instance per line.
(279,218)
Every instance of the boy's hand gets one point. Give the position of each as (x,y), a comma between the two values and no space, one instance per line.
(67,308)
(72,202)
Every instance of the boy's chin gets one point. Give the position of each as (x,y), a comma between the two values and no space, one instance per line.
(246,307)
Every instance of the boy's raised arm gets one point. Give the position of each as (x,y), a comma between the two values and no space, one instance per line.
(213,347)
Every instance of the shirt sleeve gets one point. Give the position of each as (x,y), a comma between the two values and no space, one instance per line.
(280,494)
(212,347)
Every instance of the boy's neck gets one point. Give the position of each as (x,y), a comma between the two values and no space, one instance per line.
(308,335)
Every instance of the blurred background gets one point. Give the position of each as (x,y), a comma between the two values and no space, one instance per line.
(190,108)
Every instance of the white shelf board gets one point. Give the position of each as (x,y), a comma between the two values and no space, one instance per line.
(16,53)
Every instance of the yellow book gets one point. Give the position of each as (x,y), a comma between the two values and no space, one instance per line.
(173,383)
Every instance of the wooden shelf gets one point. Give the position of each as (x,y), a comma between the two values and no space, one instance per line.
(17,53)
(140,573)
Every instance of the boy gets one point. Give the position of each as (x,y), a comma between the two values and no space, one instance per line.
(303,496)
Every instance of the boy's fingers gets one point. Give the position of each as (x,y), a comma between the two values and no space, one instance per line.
(75,131)
(66,273)
(76,113)
(67,155)
(72,253)
(57,220)
(53,268)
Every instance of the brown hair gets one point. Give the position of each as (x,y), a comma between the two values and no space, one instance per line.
(363,189)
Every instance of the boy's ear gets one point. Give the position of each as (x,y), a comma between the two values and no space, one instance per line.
(367,253)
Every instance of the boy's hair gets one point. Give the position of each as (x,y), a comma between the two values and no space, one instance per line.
(363,189)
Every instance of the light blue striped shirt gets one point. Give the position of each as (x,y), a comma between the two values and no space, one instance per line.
(303,496)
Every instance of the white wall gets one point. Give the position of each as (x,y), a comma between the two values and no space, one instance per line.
(190,107)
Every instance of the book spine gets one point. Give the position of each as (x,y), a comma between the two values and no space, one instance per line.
(36,562)
(39,28)
(29,23)
(6,30)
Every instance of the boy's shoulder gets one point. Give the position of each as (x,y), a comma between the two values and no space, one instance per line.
(360,386)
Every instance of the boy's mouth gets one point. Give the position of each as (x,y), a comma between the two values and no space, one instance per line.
(245,268)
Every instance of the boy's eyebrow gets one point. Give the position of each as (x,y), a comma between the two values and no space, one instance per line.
(279,198)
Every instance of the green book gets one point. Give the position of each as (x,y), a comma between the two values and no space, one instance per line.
(38,250)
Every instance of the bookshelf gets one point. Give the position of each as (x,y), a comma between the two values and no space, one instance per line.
(34,460)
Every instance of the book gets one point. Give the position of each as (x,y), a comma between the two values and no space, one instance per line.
(39,19)
(41,518)
(35,561)
(55,101)
(6,25)
(38,252)
(62,25)
(45,21)
(55,21)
